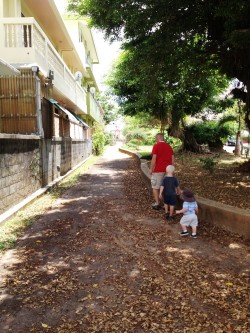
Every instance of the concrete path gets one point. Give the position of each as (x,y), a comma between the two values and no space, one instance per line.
(101,261)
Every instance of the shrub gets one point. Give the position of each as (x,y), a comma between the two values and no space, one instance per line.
(108,138)
(209,132)
(136,133)
(149,137)
(209,163)
(174,142)
(134,144)
(98,140)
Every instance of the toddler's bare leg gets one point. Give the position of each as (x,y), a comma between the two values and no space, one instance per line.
(183,227)
(171,210)
(194,230)
(166,208)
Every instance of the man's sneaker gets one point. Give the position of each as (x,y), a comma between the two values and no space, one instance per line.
(184,233)
(156,207)
(194,236)
(170,219)
(166,215)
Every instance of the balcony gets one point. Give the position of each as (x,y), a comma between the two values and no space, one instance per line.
(23,42)
(93,108)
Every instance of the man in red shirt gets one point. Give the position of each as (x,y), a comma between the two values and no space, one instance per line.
(162,156)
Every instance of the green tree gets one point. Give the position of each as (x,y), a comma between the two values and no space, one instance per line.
(221,29)
(137,89)
(111,111)
(166,95)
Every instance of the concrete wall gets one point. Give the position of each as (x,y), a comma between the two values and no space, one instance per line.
(56,158)
(61,154)
(26,165)
(80,151)
(229,218)
(20,170)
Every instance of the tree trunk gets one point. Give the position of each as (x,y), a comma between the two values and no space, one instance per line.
(189,143)
(247,113)
(237,151)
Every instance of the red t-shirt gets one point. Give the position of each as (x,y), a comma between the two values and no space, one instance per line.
(164,153)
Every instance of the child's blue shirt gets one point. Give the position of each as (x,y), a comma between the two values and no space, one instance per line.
(191,206)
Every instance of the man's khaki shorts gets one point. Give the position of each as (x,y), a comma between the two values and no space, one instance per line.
(156,179)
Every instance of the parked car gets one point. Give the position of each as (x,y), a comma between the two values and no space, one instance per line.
(231,141)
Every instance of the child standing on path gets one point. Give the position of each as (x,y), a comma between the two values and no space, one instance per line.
(168,190)
(189,210)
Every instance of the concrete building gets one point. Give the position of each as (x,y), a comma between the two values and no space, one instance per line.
(47,96)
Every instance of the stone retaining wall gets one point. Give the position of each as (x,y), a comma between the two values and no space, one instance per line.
(20,171)
(229,218)
(28,163)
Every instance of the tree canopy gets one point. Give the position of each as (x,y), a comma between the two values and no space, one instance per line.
(218,31)
(111,111)
(164,93)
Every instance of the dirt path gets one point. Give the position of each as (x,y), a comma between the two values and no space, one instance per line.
(100,260)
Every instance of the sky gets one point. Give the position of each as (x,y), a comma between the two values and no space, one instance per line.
(106,52)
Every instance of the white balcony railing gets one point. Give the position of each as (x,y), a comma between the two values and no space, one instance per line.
(93,109)
(23,41)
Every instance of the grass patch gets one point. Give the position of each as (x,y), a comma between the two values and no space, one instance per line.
(12,228)
(223,159)
(146,150)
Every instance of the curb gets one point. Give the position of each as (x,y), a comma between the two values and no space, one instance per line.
(229,218)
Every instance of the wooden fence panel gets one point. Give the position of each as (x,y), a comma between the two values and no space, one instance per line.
(18,112)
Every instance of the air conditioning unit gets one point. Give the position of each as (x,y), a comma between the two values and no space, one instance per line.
(92,90)
(78,76)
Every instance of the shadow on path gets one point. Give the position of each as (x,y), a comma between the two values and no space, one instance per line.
(100,260)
